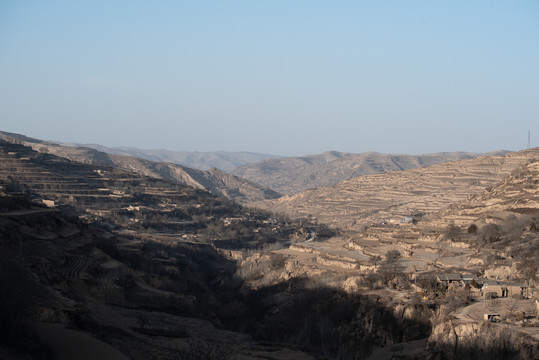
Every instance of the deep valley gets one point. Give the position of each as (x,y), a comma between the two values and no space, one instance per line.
(114,257)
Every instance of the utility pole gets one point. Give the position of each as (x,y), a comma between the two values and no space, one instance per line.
(529,133)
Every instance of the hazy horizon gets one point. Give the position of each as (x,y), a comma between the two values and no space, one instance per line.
(281,78)
(120,148)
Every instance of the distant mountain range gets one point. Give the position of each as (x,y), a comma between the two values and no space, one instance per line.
(260,176)
(291,175)
(222,160)
(217,182)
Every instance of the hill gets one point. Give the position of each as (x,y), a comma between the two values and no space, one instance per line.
(127,199)
(140,267)
(121,262)
(292,175)
(517,194)
(370,199)
(222,160)
(125,257)
(461,258)
(217,182)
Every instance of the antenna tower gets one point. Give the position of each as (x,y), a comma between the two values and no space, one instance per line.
(529,133)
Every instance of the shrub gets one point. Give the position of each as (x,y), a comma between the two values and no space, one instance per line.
(452,232)
(392,256)
(489,233)
(472,229)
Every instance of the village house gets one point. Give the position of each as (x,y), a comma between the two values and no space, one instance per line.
(232,220)
(493,288)
(503,289)
(469,279)
(449,279)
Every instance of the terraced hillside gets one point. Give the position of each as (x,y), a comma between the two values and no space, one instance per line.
(75,291)
(292,175)
(83,186)
(133,201)
(502,216)
(370,199)
(217,182)
(152,269)
(517,194)
(491,237)
(214,180)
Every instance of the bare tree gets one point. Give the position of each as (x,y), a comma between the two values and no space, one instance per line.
(528,269)
(392,256)
(452,232)
(472,229)
(376,260)
(390,269)
(489,233)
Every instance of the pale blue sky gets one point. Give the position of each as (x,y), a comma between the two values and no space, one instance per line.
(282,77)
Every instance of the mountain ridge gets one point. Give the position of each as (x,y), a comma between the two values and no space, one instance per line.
(290,175)
(213,180)
(375,198)
(202,160)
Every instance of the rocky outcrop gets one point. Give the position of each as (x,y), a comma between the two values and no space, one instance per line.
(474,340)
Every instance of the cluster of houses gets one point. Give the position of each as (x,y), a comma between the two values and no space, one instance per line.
(490,288)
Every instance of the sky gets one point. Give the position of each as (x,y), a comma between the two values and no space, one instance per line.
(278,77)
